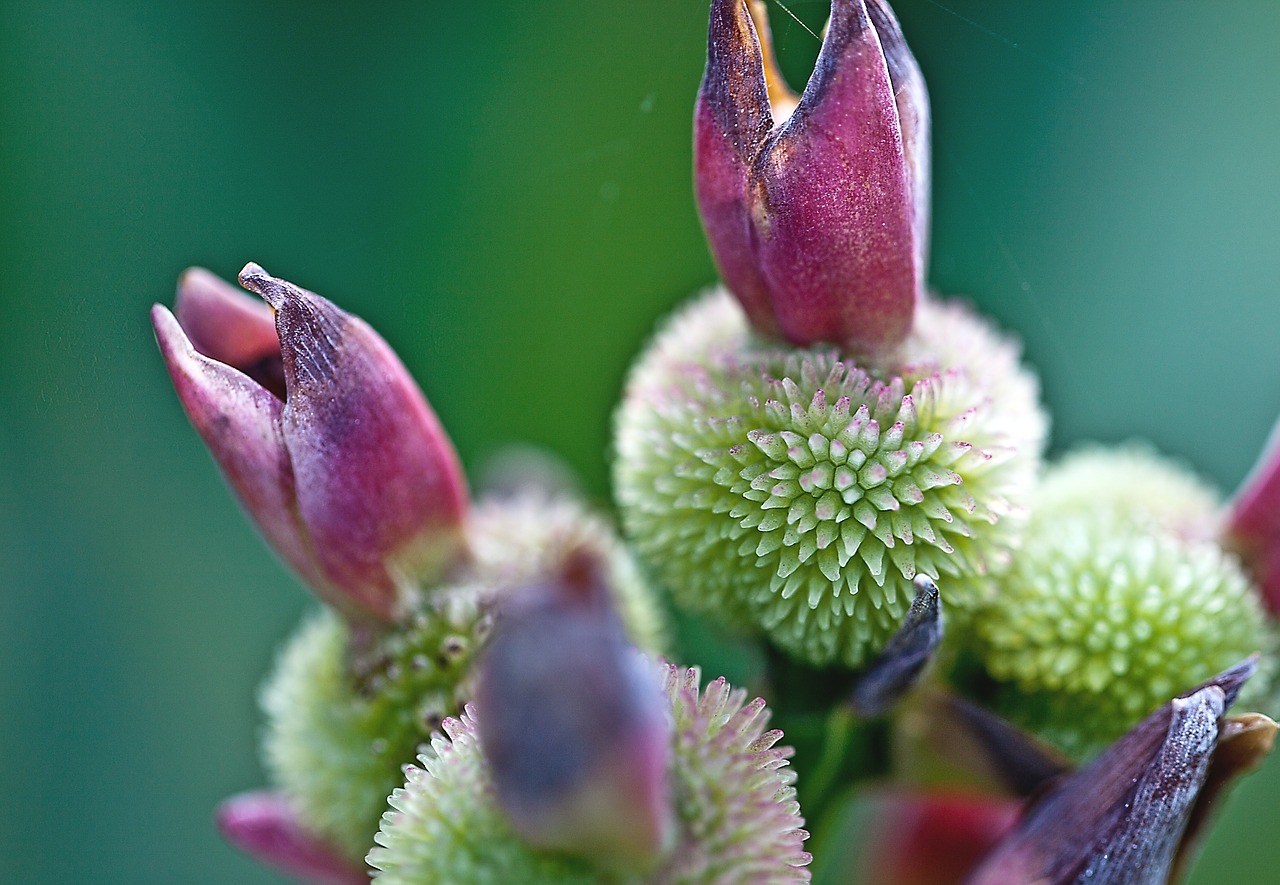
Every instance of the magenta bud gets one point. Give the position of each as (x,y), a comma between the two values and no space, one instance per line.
(262,826)
(322,434)
(574,724)
(1122,819)
(816,209)
(1253,523)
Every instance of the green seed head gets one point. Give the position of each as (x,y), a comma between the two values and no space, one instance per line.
(341,724)
(738,816)
(1114,604)
(791,491)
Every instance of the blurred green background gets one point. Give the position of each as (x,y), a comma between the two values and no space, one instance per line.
(503,189)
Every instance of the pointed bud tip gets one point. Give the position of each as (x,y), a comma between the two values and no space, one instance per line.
(899,666)
(161,317)
(252,275)
(273,290)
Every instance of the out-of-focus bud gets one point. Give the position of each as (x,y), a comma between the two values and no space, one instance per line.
(1122,818)
(262,826)
(322,434)
(817,208)
(576,733)
(931,838)
(1253,522)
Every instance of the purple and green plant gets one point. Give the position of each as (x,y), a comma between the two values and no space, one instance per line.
(1028,671)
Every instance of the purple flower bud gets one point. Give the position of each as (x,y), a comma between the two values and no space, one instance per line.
(1253,522)
(816,209)
(574,727)
(262,826)
(1122,818)
(322,434)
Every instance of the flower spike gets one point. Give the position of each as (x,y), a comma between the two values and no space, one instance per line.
(322,434)
(817,219)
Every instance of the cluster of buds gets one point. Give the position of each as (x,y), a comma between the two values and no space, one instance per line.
(821,455)
(791,457)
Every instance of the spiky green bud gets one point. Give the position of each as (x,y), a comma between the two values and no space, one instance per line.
(738,817)
(792,492)
(341,723)
(1117,600)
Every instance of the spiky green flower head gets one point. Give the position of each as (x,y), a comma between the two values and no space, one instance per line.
(1118,599)
(342,720)
(739,820)
(793,492)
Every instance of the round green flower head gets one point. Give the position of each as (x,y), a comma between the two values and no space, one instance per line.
(1117,601)
(794,492)
(342,721)
(738,816)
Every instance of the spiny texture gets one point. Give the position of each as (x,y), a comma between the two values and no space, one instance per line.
(791,491)
(1110,609)
(340,725)
(739,820)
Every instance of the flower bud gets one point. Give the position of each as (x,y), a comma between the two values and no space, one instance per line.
(930,838)
(576,733)
(816,209)
(263,826)
(897,669)
(1253,522)
(322,434)
(1122,818)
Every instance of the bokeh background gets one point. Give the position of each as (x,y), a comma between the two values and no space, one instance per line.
(504,190)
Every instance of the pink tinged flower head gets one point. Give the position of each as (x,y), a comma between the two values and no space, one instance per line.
(322,434)
(576,732)
(1122,819)
(1253,522)
(262,826)
(816,208)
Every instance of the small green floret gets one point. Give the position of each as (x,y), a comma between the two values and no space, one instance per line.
(1112,608)
(793,492)
(739,819)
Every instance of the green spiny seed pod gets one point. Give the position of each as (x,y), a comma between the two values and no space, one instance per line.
(738,817)
(791,491)
(1116,601)
(341,724)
